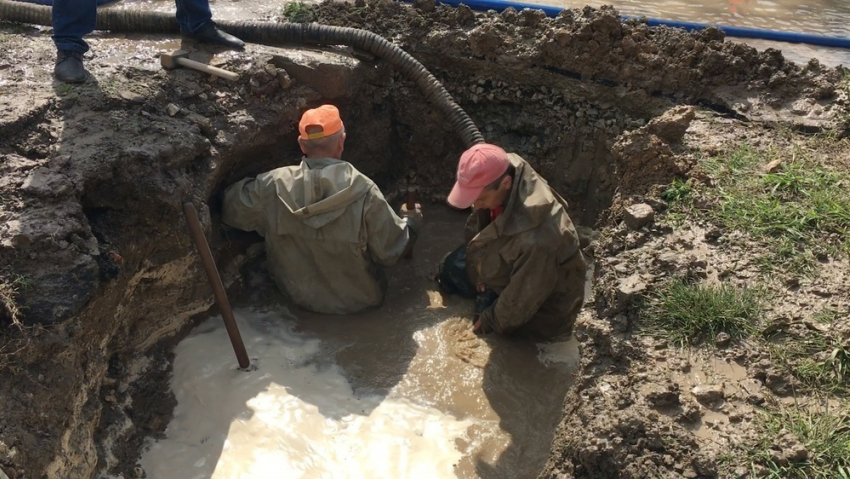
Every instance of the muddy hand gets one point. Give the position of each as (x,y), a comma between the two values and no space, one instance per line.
(413,215)
(479,328)
(476,328)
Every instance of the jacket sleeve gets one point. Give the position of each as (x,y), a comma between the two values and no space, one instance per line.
(243,206)
(388,236)
(533,278)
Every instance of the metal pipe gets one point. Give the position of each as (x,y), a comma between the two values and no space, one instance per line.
(741,32)
(217,286)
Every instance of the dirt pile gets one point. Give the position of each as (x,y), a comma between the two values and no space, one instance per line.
(93,246)
(643,407)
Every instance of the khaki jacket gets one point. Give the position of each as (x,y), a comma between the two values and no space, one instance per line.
(328,232)
(530,257)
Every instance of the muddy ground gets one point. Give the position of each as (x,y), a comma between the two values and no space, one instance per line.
(99,276)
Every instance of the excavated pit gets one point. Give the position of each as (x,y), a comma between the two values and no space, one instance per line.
(93,178)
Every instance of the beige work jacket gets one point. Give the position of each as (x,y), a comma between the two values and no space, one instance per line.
(328,232)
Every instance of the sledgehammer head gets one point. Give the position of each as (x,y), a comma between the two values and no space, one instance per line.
(169,60)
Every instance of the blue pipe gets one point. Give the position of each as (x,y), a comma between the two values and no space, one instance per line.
(777,36)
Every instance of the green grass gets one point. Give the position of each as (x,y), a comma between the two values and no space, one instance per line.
(826,316)
(817,359)
(688,314)
(299,12)
(63,89)
(825,435)
(801,210)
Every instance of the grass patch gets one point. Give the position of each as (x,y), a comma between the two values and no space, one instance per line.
(817,359)
(800,208)
(299,12)
(688,314)
(825,435)
(826,316)
(9,287)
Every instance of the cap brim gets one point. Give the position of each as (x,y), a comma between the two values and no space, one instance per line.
(462,198)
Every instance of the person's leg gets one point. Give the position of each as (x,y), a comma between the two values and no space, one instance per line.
(193,15)
(72,20)
(195,21)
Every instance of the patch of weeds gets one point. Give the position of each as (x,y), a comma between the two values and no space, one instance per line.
(839,360)
(799,207)
(817,360)
(679,197)
(826,316)
(679,191)
(688,314)
(299,12)
(10,285)
(824,434)
(63,89)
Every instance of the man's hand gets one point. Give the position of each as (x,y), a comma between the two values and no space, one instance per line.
(477,326)
(414,216)
(480,328)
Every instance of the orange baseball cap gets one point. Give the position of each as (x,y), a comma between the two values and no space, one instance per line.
(478,167)
(325,117)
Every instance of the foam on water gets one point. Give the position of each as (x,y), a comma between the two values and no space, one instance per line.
(291,417)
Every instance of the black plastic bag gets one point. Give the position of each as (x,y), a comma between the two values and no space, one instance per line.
(453,278)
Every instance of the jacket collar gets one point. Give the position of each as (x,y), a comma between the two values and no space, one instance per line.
(529,203)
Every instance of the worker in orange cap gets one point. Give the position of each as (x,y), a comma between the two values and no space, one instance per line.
(328,229)
(522,260)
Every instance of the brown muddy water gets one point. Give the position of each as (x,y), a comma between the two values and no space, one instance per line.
(402,392)
(817,17)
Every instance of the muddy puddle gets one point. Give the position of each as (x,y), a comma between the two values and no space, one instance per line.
(405,391)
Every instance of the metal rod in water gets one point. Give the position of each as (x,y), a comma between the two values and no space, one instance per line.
(411,205)
(217,287)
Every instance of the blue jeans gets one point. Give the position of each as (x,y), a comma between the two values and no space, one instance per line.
(74,19)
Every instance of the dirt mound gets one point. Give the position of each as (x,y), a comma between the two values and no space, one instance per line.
(646,161)
(594,45)
(645,407)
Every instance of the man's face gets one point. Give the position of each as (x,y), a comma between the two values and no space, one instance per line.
(493,198)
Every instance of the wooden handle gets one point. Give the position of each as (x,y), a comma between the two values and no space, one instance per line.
(215,282)
(203,67)
(411,198)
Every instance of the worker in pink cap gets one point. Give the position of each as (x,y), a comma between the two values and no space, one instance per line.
(328,230)
(521,259)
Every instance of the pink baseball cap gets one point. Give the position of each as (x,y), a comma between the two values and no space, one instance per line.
(478,167)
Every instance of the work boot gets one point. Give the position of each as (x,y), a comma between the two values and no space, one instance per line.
(69,67)
(210,33)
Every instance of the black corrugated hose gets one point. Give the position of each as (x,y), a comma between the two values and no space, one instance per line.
(119,20)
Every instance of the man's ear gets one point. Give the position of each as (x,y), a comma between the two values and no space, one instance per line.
(301,144)
(507,182)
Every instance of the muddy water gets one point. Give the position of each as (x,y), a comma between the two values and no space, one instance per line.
(406,391)
(818,17)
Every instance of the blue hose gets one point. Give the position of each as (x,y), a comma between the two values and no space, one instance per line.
(777,36)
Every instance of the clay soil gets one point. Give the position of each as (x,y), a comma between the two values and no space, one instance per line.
(98,278)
